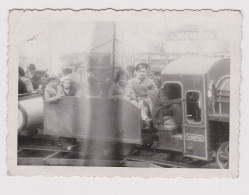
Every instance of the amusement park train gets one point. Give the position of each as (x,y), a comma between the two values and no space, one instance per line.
(205,130)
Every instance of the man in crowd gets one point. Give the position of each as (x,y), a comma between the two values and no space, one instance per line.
(66,72)
(167,105)
(43,83)
(131,72)
(141,84)
(79,79)
(155,75)
(33,75)
(24,83)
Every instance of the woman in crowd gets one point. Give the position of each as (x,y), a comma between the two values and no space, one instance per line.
(43,84)
(25,84)
(121,88)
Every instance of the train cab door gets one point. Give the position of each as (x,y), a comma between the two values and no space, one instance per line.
(194,121)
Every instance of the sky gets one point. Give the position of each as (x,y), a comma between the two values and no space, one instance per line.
(45,39)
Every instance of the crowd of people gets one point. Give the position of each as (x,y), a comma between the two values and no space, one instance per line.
(31,80)
(132,84)
(52,87)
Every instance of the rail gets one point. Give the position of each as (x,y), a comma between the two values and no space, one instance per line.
(46,150)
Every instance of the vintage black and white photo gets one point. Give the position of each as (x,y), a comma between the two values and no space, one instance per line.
(151,93)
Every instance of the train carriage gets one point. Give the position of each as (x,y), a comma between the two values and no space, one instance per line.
(203,85)
(94,118)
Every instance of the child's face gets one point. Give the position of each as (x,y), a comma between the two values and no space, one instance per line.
(122,80)
(66,84)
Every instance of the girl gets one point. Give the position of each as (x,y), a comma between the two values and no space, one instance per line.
(66,88)
(121,88)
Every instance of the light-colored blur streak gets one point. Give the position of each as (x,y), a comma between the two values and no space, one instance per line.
(95,145)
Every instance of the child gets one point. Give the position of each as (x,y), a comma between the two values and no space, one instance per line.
(121,88)
(66,88)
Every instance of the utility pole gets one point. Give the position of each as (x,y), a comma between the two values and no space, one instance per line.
(113,49)
(50,47)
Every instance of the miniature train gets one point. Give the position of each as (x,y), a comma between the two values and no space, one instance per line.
(30,114)
(204,135)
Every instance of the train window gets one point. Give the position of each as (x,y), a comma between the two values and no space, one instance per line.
(193,107)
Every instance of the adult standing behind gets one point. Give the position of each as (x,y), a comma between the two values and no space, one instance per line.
(30,71)
(66,72)
(33,75)
(43,84)
(25,84)
(51,94)
(155,75)
(131,72)
(79,79)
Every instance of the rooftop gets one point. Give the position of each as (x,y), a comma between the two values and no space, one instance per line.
(198,65)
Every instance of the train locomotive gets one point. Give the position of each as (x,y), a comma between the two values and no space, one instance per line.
(205,129)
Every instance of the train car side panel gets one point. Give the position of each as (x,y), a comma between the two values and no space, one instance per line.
(128,121)
(95,118)
(59,117)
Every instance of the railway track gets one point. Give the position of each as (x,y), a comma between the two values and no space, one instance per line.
(45,150)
